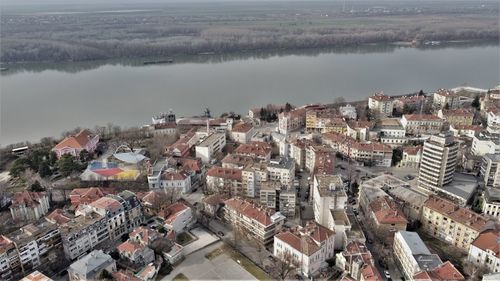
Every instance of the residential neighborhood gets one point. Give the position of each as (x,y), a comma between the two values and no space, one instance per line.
(392,187)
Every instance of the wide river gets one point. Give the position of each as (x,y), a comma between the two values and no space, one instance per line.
(46,99)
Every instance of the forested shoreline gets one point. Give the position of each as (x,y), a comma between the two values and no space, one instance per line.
(166,32)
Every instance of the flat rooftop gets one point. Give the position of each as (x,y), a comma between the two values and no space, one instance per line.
(211,139)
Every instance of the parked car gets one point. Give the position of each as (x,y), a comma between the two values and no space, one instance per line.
(387,274)
(409,177)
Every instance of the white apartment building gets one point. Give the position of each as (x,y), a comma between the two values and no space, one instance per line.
(493,120)
(485,143)
(412,255)
(439,159)
(254,220)
(442,97)
(252,178)
(308,246)
(411,157)
(484,250)
(422,124)
(490,170)
(242,132)
(348,111)
(83,233)
(283,170)
(29,206)
(381,104)
(175,179)
(327,194)
(292,120)
(209,146)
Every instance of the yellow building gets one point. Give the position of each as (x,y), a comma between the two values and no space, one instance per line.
(447,221)
(457,116)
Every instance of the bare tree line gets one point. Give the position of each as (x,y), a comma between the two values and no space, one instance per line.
(104,36)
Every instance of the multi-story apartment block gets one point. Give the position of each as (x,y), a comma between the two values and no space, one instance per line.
(458,116)
(485,143)
(297,151)
(83,233)
(413,102)
(439,159)
(178,216)
(348,111)
(446,221)
(387,216)
(134,214)
(493,120)
(418,263)
(371,153)
(254,220)
(170,178)
(224,180)
(422,124)
(209,146)
(283,170)
(327,194)
(308,247)
(490,170)
(242,132)
(255,149)
(114,212)
(358,263)
(313,153)
(91,266)
(466,130)
(391,132)
(323,121)
(275,196)
(29,206)
(24,250)
(485,251)
(292,120)
(381,104)
(443,98)
(359,130)
(252,177)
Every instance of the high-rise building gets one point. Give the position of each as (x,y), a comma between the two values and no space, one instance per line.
(439,159)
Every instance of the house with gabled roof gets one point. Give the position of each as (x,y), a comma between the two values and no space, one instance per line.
(75,144)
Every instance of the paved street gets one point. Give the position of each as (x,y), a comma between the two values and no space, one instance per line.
(197,267)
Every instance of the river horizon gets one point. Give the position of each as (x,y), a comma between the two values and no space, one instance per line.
(45,99)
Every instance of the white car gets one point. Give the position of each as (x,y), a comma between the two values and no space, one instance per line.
(387,274)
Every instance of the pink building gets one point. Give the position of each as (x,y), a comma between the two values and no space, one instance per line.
(73,145)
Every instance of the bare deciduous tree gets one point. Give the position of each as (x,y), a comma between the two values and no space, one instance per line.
(284,265)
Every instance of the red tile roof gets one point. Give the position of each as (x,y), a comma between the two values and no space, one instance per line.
(387,212)
(242,127)
(107,203)
(174,175)
(226,173)
(255,148)
(172,211)
(300,243)
(422,117)
(124,276)
(445,92)
(370,272)
(458,112)
(413,150)
(380,97)
(452,210)
(58,217)
(78,141)
(489,240)
(129,247)
(444,272)
(249,210)
(145,234)
(87,195)
(27,198)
